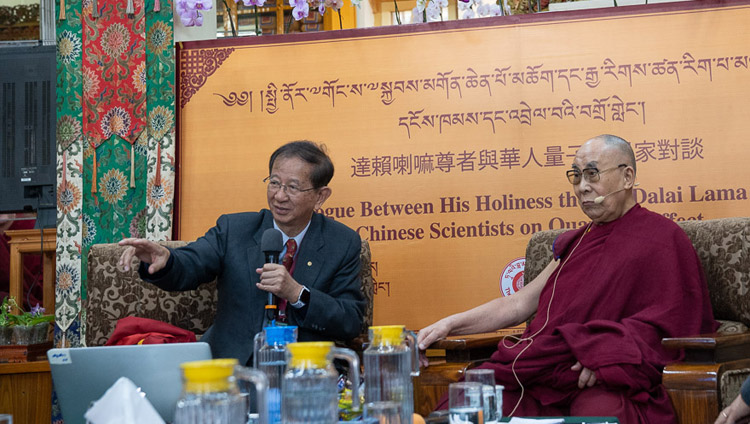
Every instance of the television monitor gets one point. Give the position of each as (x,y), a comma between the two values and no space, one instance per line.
(27,132)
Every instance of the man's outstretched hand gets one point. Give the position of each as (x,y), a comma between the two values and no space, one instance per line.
(146,251)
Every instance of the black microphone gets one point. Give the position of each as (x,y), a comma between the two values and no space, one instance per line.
(271,244)
(600,199)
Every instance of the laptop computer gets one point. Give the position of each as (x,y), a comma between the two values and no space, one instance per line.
(82,375)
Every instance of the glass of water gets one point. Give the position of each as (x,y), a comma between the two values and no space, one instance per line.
(466,403)
(499,395)
(487,379)
(479,375)
(385,412)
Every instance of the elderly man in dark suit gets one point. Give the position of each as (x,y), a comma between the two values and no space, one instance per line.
(319,291)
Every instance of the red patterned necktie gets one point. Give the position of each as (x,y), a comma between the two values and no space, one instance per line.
(288,259)
(288,262)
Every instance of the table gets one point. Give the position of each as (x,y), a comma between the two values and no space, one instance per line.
(30,241)
(580,420)
(26,392)
(443,419)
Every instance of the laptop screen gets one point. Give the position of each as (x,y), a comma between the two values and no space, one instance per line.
(82,375)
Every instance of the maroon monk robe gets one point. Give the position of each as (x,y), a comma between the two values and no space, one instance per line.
(628,284)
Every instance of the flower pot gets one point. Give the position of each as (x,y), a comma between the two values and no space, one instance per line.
(23,334)
(6,335)
(40,332)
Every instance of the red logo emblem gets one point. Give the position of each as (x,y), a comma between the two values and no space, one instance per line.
(511,279)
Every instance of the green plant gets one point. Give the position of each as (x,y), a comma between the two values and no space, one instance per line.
(36,316)
(5,313)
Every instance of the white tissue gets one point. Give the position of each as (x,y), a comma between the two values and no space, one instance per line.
(515,420)
(123,403)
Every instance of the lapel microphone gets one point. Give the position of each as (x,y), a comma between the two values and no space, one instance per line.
(271,244)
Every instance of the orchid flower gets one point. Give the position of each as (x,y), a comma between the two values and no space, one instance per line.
(200,4)
(187,10)
(416,16)
(301,12)
(434,13)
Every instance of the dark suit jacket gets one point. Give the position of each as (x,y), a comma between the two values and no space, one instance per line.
(327,263)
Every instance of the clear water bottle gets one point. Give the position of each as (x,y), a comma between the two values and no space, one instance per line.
(270,358)
(211,395)
(310,394)
(390,362)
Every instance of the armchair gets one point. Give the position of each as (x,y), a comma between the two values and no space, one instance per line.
(113,294)
(714,366)
(710,375)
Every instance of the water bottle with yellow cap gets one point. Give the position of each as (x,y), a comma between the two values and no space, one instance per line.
(309,391)
(211,395)
(390,362)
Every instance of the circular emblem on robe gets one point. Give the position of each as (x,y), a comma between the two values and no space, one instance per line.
(511,279)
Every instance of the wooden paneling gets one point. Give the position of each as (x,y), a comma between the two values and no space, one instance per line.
(433,382)
(30,241)
(26,392)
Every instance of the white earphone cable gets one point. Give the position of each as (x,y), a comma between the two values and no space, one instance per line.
(530,338)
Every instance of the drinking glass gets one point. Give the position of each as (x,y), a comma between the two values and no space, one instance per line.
(479,375)
(487,379)
(499,398)
(466,403)
(384,412)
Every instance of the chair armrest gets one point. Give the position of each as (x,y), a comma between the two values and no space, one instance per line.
(472,347)
(711,348)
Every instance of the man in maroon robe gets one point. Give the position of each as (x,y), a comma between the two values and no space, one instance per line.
(614,289)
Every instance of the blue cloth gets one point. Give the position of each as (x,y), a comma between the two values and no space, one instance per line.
(745,391)
(328,263)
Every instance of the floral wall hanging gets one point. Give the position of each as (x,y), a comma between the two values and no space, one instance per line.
(115,133)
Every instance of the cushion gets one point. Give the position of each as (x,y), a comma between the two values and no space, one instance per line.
(113,294)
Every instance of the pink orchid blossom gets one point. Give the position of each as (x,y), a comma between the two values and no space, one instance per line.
(300,13)
(334,4)
(188,11)
(249,3)
(200,4)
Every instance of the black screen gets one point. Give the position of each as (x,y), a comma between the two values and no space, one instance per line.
(27,131)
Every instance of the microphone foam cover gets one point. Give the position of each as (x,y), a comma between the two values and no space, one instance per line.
(271,241)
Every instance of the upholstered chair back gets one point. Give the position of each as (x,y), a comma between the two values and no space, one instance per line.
(723,246)
(112,294)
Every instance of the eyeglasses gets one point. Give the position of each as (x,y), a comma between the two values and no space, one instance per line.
(291,189)
(591,175)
